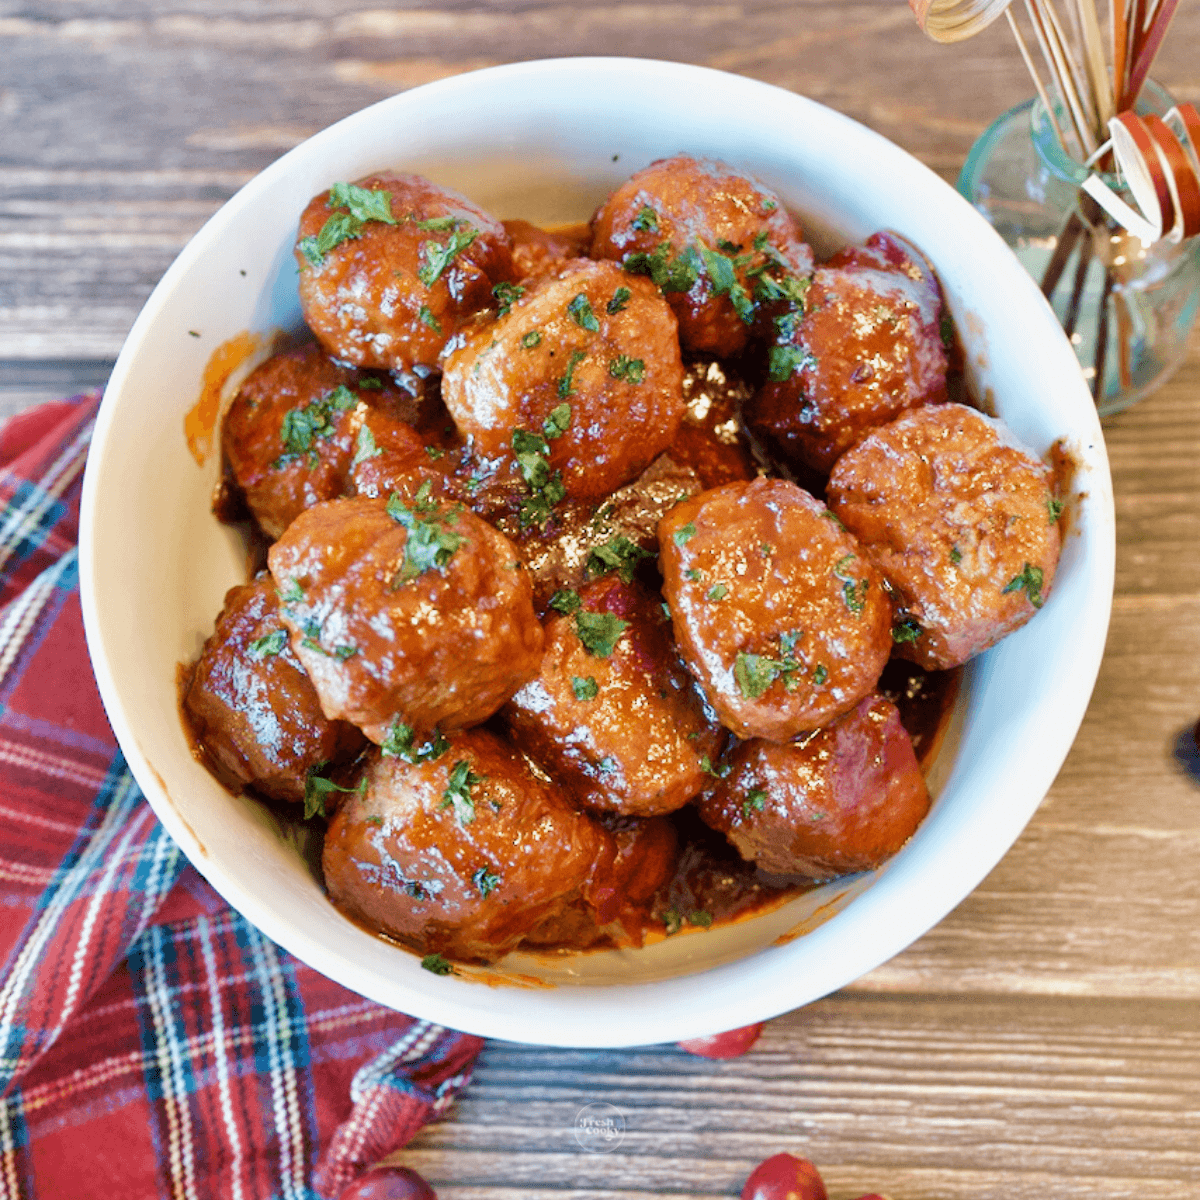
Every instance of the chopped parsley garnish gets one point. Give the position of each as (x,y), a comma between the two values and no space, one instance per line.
(435,224)
(566,385)
(820,674)
(599,632)
(291,592)
(607,766)
(507,294)
(631,370)
(485,881)
(720,771)
(317,788)
(701,919)
(430,543)
(617,554)
(955,555)
(584,688)
(684,534)
(437,257)
(784,361)
(558,422)
(435,452)
(401,743)
(425,313)
(769,205)
(545,489)
(1030,582)
(722,275)
(906,630)
(269,644)
(374,819)
(1054,508)
(581,312)
(300,426)
(312,641)
(365,446)
(646,220)
(458,791)
(946,331)
(619,299)
(718,591)
(694,574)
(364,205)
(754,674)
(673,920)
(755,800)
(531,339)
(678,274)
(437,964)
(854,591)
(565,601)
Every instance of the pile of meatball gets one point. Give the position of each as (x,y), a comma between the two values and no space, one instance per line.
(570,530)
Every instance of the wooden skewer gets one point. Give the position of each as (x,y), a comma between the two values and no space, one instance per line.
(1086,250)
(1062,253)
(1101,359)
(1037,79)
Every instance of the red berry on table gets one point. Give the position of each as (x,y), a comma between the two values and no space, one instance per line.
(724,1045)
(388,1183)
(785,1177)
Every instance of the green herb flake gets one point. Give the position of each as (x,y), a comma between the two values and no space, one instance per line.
(753,673)
(317,788)
(784,361)
(1055,509)
(581,313)
(507,294)
(645,220)
(374,819)
(435,452)
(620,298)
(1030,582)
(458,791)
(678,274)
(722,276)
(430,544)
(364,205)
(437,257)
(566,385)
(531,339)
(720,771)
(365,446)
(545,489)
(485,881)
(820,674)
(607,766)
(769,205)
(400,742)
(425,313)
(755,801)
(701,919)
(437,964)
(291,592)
(854,591)
(718,591)
(558,422)
(565,601)
(631,370)
(617,554)
(672,919)
(301,426)
(955,555)
(268,645)
(684,534)
(694,574)
(584,688)
(599,632)
(906,630)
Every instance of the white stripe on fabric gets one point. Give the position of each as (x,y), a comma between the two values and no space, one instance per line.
(169,1059)
(220,1053)
(22,520)
(125,797)
(21,615)
(9,1183)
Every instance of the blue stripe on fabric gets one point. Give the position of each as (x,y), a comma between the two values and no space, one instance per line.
(62,735)
(16,1171)
(38,512)
(51,588)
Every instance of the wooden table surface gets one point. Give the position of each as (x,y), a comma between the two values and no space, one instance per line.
(1044,1040)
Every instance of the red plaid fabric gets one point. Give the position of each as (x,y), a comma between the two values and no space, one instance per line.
(152,1042)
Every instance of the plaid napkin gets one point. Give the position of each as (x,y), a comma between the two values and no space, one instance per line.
(152,1042)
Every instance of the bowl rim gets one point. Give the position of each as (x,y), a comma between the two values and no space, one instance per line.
(662,1005)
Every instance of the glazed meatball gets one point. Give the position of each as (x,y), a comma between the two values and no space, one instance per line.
(961,521)
(718,243)
(390,268)
(612,713)
(866,348)
(251,706)
(536,251)
(711,439)
(390,456)
(461,854)
(844,799)
(577,388)
(288,437)
(404,615)
(776,611)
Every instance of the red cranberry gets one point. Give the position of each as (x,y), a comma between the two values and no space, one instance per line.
(785,1177)
(388,1183)
(724,1045)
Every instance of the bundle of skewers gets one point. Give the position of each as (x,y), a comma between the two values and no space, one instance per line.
(1092,74)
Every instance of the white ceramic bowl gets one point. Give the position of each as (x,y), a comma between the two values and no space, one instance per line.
(547,141)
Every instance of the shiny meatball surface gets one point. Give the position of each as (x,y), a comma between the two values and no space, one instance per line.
(251,706)
(587,364)
(844,799)
(419,614)
(776,611)
(289,435)
(417,261)
(462,854)
(961,521)
(613,714)
(717,242)
(866,347)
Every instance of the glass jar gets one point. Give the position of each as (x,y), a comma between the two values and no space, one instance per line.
(1127,307)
